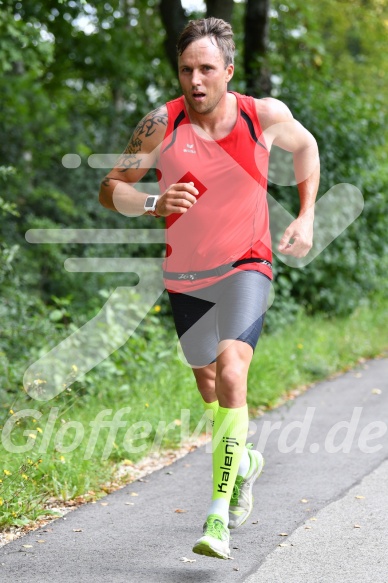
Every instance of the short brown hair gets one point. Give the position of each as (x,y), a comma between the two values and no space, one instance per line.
(220,30)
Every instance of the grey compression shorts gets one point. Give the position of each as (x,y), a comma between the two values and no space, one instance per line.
(231,309)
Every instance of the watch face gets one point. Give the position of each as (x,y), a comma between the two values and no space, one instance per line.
(149,203)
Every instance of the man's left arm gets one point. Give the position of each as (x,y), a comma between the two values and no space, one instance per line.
(297,239)
(282,130)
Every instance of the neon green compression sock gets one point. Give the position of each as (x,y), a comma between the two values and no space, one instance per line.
(211,410)
(229,437)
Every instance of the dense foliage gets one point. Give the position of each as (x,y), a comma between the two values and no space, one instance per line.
(329,69)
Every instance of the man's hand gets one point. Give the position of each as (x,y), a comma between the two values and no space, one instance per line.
(298,237)
(178,198)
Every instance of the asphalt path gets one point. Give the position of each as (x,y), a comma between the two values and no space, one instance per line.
(322,497)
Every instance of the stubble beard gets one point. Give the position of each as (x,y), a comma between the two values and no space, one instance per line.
(203,108)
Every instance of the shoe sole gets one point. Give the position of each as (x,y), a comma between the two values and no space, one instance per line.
(204,548)
(256,475)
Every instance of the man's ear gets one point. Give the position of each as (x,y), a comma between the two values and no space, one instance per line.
(229,72)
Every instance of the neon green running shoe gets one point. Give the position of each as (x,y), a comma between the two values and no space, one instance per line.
(215,539)
(241,502)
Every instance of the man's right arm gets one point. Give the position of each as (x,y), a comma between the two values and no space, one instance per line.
(117,190)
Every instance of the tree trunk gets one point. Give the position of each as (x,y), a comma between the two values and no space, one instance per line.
(257,75)
(220,9)
(174,20)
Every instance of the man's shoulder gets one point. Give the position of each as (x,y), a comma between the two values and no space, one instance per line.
(272,111)
(153,126)
(169,106)
(160,114)
(157,119)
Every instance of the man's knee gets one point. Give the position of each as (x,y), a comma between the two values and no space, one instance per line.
(231,388)
(232,375)
(233,362)
(232,372)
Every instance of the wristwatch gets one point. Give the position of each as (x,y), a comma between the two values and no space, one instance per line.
(150,205)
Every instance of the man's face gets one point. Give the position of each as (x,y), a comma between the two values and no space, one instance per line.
(202,75)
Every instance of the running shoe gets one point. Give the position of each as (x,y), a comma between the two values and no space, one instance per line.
(241,502)
(215,539)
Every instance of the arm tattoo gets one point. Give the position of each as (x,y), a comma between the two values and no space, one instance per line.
(144,129)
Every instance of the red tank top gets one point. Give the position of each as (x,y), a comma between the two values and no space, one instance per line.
(230,219)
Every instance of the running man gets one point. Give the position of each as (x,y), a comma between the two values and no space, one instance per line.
(211,148)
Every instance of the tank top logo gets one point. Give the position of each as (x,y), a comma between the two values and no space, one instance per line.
(189,149)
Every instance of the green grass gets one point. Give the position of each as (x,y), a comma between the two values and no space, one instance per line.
(313,348)
(150,401)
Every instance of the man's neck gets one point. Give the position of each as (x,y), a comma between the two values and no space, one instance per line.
(220,122)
